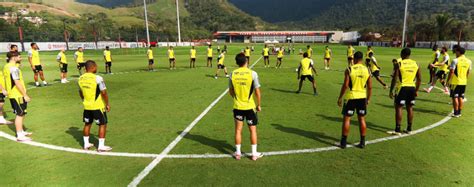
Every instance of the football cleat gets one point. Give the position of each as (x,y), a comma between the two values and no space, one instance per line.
(104,149)
(257,156)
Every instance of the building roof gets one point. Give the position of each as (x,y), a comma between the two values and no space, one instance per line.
(274,33)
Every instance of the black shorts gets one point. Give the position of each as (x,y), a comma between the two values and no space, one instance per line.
(279,59)
(249,115)
(406,96)
(108,64)
(220,66)
(151,61)
(353,106)
(350,58)
(38,69)
(172,60)
(327,58)
(63,68)
(19,106)
(81,65)
(209,58)
(266,57)
(193,59)
(2,98)
(441,74)
(376,73)
(457,91)
(97,116)
(309,77)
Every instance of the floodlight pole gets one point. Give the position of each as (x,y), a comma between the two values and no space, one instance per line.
(146,24)
(405,23)
(177,17)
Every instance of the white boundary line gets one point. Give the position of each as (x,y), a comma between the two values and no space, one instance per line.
(165,153)
(173,144)
(323,149)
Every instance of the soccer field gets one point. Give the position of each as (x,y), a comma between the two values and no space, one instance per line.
(297,132)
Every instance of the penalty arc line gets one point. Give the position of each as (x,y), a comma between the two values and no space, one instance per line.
(173,144)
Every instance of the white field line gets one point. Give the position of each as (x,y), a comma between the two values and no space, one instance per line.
(173,144)
(323,149)
(74,150)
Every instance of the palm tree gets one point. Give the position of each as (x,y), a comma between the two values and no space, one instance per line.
(443,22)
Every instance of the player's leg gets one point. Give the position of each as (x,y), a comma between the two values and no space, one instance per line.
(381,82)
(300,85)
(460,105)
(2,113)
(238,135)
(174,63)
(410,115)
(329,63)
(362,130)
(86,134)
(313,82)
(36,74)
(217,72)
(102,117)
(19,109)
(191,63)
(252,122)
(398,120)
(346,123)
(225,71)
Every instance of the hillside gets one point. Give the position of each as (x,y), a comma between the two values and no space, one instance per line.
(198,20)
(385,16)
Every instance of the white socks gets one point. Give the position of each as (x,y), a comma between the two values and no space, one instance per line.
(237,149)
(254,149)
(86,140)
(44,82)
(20,134)
(37,83)
(101,142)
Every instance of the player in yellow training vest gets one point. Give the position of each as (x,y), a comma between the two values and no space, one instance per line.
(209,56)
(435,59)
(350,55)
(356,90)
(369,50)
(16,90)
(79,58)
(327,58)
(371,62)
(243,86)
(305,71)
(247,52)
(280,55)
(192,62)
(35,63)
(93,93)
(3,88)
(309,50)
(220,64)
(460,69)
(266,56)
(151,59)
(62,60)
(172,58)
(108,60)
(404,88)
(443,70)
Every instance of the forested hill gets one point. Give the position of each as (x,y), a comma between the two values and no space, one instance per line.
(352,14)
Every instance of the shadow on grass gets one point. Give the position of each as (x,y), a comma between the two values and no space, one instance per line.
(290,91)
(78,135)
(320,137)
(370,125)
(421,110)
(221,145)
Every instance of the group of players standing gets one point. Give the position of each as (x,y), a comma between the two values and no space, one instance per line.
(354,97)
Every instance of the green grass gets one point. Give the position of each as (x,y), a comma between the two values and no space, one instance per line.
(149,109)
